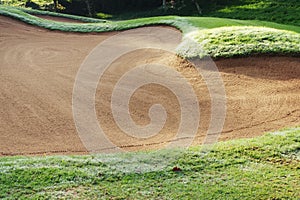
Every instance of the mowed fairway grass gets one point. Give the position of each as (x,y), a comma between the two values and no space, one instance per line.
(266,167)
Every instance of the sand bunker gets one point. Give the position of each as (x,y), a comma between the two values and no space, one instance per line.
(37,74)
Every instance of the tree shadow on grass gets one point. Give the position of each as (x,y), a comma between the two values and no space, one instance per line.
(284,12)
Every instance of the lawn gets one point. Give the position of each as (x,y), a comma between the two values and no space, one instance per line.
(266,167)
(280,11)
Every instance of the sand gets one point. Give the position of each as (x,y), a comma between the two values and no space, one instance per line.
(38,69)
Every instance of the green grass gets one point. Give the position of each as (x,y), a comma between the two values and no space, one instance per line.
(280,11)
(21,3)
(266,167)
(214,22)
(239,41)
(56,14)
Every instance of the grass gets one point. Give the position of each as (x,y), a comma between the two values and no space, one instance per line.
(239,41)
(56,14)
(214,22)
(21,3)
(280,11)
(267,167)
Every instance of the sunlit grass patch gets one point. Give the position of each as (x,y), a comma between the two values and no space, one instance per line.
(265,167)
(22,3)
(239,41)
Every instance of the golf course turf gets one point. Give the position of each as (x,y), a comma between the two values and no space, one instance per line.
(259,64)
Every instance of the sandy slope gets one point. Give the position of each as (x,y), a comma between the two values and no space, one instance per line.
(38,69)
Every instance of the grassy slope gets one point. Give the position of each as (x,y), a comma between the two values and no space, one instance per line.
(239,41)
(266,167)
